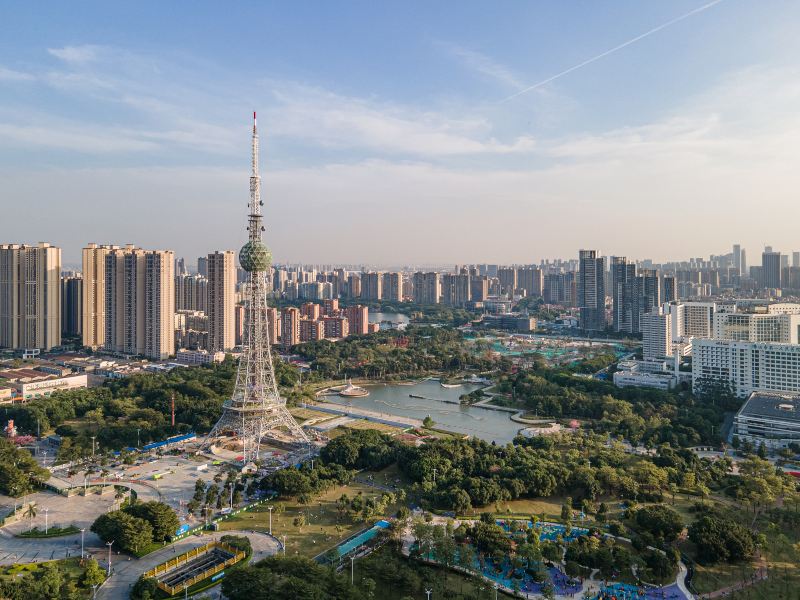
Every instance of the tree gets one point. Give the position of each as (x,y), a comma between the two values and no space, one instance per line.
(144,589)
(162,518)
(428,422)
(660,521)
(721,539)
(30,513)
(93,574)
(128,532)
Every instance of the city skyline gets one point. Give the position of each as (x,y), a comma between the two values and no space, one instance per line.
(411,131)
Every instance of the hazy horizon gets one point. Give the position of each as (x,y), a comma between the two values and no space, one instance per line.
(435,134)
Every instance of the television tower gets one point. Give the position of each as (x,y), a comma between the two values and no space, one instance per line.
(255,410)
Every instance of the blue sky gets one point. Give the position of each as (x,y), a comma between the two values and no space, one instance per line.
(387,130)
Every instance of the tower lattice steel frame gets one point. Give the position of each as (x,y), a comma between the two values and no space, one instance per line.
(256,410)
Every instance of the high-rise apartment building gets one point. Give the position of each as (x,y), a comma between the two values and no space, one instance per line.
(93,329)
(591,291)
(140,302)
(311,330)
(737,258)
(427,288)
(336,327)
(656,335)
(508,280)
(273,324)
(353,286)
(221,301)
(290,327)
(30,296)
(372,286)
(560,288)
(531,280)
(393,287)
(358,319)
(455,289)
(71,306)
(478,288)
(191,292)
(311,310)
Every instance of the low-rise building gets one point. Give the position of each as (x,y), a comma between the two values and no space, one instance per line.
(198,357)
(769,419)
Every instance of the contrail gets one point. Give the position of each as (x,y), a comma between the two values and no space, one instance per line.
(614,49)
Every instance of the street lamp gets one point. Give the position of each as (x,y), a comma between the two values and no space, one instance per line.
(496,585)
(109,544)
(269,508)
(137,438)
(352,562)
(284,545)
(94,437)
(82,532)
(45,520)
(429,592)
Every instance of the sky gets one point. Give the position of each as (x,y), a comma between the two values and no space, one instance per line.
(404,132)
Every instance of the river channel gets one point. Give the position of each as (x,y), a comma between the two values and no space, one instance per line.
(394,399)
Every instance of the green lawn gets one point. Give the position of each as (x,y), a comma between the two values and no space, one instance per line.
(324,527)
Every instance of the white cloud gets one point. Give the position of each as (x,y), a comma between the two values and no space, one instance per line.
(483,65)
(336,121)
(12,75)
(77,54)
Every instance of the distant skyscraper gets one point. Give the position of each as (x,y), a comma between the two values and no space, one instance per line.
(531,280)
(508,279)
(202,266)
(427,288)
(478,288)
(455,289)
(796,259)
(622,277)
(393,287)
(221,301)
(140,302)
(372,286)
(71,306)
(737,258)
(669,289)
(591,291)
(771,269)
(93,329)
(353,286)
(180,266)
(30,296)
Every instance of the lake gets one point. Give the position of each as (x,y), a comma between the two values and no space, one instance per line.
(489,425)
(389,320)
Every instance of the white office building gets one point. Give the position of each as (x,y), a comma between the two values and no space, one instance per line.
(747,366)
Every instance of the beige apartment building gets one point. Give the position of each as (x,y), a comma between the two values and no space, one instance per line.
(140,302)
(221,301)
(93,327)
(30,296)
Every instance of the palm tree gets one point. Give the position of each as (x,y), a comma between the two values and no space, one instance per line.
(30,512)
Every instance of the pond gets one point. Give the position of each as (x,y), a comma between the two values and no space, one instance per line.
(428,397)
(389,320)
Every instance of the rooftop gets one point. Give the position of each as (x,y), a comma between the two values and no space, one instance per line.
(775,406)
